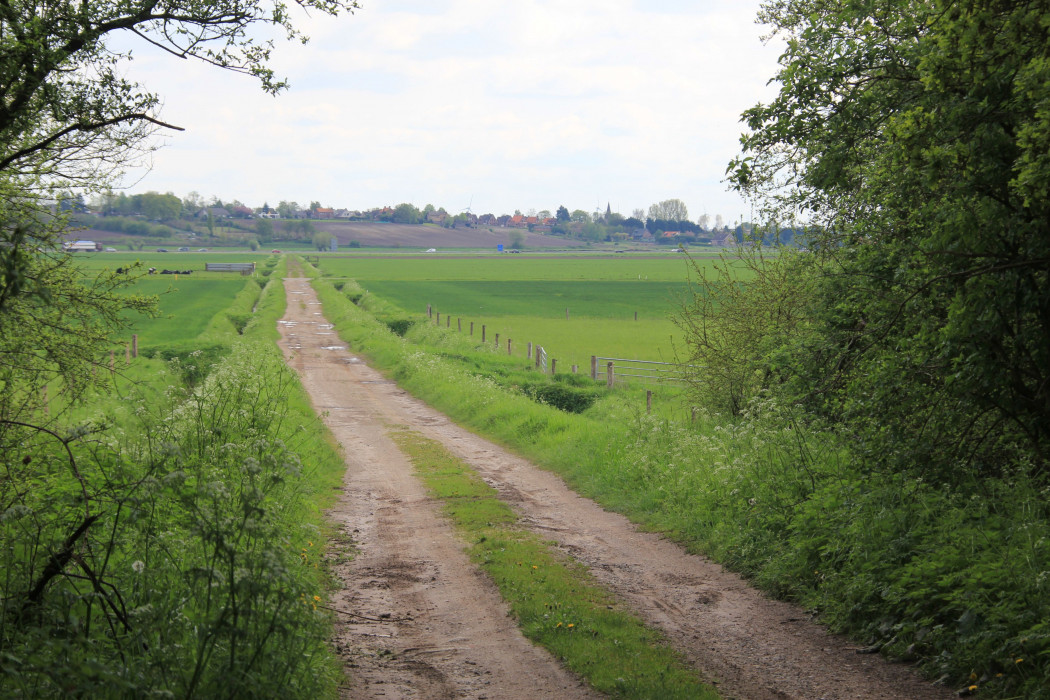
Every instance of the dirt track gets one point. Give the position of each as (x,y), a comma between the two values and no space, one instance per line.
(426,624)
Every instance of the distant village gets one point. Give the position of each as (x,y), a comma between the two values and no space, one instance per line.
(155,215)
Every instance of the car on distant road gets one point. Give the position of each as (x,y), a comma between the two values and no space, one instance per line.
(202,250)
(275,251)
(162,250)
(184,250)
(111,250)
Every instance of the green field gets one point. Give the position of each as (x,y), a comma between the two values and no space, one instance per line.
(181,261)
(186,306)
(187,303)
(496,268)
(525,298)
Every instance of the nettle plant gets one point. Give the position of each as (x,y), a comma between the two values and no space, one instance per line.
(163,557)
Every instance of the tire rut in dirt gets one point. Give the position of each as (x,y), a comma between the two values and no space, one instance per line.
(418,619)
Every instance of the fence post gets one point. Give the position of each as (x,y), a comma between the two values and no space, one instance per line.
(127,353)
(430,312)
(693,420)
(437,321)
(538,349)
(483,332)
(566,313)
(448,321)
(509,351)
(594,367)
(471,329)
(459,322)
(554,365)
(609,375)
(497,341)
(528,352)
(135,345)
(648,400)
(575,369)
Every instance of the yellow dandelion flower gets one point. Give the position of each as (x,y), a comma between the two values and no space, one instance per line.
(1018,661)
(557,625)
(972,688)
(571,625)
(535,567)
(317,597)
(310,543)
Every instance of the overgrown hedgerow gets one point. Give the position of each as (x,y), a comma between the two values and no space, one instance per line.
(194,570)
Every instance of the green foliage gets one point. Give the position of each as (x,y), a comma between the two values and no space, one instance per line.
(134,227)
(399,326)
(407,214)
(191,365)
(192,565)
(916,134)
(322,240)
(735,331)
(239,321)
(561,396)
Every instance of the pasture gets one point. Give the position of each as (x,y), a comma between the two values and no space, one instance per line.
(525,298)
(186,306)
(186,303)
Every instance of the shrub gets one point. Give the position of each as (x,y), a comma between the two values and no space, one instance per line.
(565,398)
(400,326)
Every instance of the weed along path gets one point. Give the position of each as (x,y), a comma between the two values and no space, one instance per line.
(421,621)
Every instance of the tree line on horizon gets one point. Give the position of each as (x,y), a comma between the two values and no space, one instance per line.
(667,222)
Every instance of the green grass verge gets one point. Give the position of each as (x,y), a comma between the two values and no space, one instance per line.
(555,600)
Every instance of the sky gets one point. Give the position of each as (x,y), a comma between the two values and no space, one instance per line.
(483,104)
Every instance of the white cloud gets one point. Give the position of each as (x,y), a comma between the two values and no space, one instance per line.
(518,105)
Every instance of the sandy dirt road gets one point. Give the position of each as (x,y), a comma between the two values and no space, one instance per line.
(424,623)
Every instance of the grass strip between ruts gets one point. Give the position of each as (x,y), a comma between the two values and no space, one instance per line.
(556,602)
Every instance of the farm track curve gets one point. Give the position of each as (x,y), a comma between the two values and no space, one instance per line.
(420,621)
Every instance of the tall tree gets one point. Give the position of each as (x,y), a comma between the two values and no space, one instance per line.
(407,214)
(669,210)
(914,135)
(68,115)
(287,210)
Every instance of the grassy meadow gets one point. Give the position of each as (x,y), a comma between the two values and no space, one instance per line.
(187,304)
(525,298)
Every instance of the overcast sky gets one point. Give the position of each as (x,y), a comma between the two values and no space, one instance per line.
(489,104)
